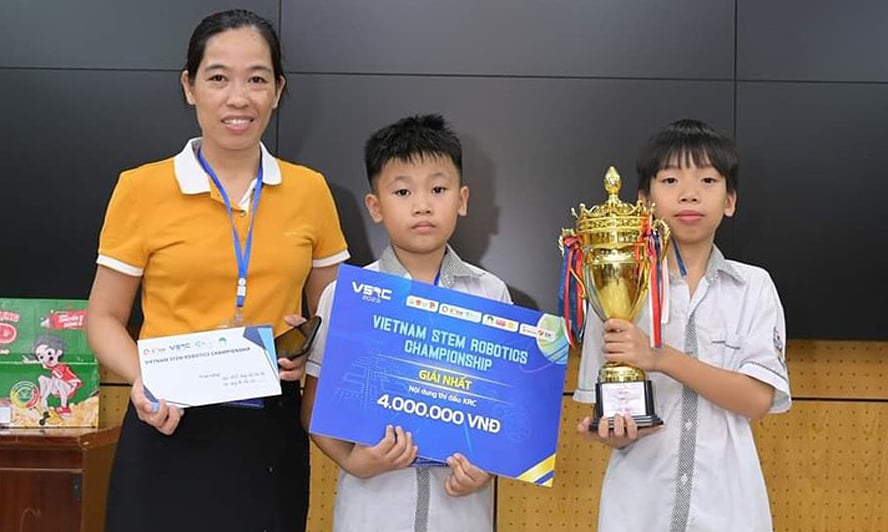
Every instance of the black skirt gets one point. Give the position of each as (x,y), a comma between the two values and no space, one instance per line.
(223,469)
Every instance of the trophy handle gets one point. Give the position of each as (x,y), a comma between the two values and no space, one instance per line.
(572,294)
(569,242)
(566,234)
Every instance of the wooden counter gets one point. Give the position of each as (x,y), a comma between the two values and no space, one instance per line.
(55,479)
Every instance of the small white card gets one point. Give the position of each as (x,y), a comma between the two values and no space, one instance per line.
(624,398)
(211,367)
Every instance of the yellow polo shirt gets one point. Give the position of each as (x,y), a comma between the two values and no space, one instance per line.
(167,223)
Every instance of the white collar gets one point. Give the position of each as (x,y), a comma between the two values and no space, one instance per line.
(451,266)
(193,180)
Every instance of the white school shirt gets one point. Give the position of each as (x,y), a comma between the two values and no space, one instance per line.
(411,499)
(701,471)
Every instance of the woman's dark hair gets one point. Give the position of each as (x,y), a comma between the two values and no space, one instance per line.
(682,143)
(232,20)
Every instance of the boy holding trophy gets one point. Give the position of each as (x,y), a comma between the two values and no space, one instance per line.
(719,365)
(417,194)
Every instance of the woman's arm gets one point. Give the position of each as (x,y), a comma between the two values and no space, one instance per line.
(108,312)
(318,279)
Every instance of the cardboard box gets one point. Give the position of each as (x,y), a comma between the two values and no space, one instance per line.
(48,375)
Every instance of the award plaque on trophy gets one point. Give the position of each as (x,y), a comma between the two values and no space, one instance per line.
(612,260)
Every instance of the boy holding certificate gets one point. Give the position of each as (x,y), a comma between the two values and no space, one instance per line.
(415,172)
(722,365)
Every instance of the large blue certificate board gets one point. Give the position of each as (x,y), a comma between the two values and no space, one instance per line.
(462,373)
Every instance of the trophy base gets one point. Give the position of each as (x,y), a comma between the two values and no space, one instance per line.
(640,421)
(635,399)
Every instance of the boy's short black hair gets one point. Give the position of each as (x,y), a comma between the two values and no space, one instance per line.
(683,142)
(409,139)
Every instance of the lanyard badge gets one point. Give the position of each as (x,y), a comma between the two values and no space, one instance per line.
(241,254)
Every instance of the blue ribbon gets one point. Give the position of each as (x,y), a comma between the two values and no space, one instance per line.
(241,254)
(681,265)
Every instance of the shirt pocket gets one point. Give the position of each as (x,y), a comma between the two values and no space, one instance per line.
(725,348)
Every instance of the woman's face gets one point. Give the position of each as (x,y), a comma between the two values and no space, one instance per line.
(234,90)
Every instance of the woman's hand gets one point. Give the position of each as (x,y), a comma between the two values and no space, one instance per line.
(464,477)
(292,370)
(160,415)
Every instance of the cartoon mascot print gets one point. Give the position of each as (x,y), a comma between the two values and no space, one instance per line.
(62,381)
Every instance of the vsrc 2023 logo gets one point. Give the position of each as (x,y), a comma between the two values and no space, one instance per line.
(371,293)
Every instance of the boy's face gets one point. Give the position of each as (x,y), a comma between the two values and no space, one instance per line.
(692,200)
(418,203)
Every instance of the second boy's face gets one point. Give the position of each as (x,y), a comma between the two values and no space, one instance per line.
(418,202)
(692,200)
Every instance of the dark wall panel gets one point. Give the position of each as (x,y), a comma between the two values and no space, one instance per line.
(640,38)
(811,202)
(545,94)
(534,148)
(74,132)
(817,40)
(106,33)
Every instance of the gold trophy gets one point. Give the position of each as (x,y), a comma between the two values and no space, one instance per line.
(612,260)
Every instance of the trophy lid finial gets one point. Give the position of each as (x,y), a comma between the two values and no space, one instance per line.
(612,182)
(613,212)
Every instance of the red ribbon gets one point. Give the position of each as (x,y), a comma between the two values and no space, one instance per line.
(574,294)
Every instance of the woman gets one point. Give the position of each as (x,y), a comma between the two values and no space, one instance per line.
(221,234)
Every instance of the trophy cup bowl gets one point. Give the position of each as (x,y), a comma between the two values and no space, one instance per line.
(615,242)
